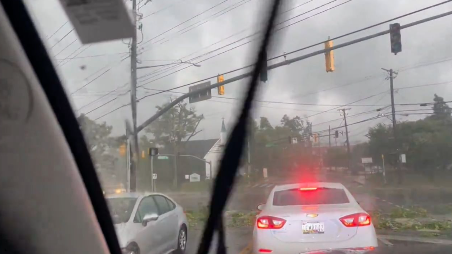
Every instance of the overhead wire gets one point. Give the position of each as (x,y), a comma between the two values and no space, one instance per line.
(197,15)
(59,28)
(310,46)
(62,38)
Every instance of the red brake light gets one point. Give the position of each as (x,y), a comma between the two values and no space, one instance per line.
(269,222)
(265,251)
(308,189)
(356,220)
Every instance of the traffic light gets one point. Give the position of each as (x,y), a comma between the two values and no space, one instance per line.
(336,134)
(122,150)
(220,79)
(264,75)
(396,38)
(316,138)
(329,57)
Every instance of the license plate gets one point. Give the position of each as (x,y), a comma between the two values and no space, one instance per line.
(313,227)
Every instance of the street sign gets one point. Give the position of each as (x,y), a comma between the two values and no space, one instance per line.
(366,160)
(195,177)
(403,158)
(154,176)
(201,96)
(162,158)
(153,151)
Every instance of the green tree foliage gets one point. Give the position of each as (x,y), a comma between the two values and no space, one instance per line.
(103,149)
(427,143)
(176,125)
(173,129)
(440,109)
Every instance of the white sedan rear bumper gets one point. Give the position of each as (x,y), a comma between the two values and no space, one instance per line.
(264,239)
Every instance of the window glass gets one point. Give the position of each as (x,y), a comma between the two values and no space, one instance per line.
(312,197)
(171,204)
(162,204)
(147,206)
(121,208)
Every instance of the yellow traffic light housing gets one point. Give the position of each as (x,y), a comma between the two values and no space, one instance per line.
(122,149)
(329,57)
(220,79)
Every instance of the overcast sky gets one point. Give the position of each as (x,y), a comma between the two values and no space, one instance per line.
(358,67)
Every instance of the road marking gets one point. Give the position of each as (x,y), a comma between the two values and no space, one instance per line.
(254,186)
(384,241)
(262,185)
(415,239)
(247,249)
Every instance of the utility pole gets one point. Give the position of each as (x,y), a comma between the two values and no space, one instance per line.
(329,135)
(346,135)
(394,131)
(133,98)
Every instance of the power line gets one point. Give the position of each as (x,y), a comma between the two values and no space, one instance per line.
(286,62)
(255,33)
(89,82)
(304,48)
(211,17)
(66,47)
(165,8)
(62,38)
(197,15)
(91,56)
(103,96)
(57,30)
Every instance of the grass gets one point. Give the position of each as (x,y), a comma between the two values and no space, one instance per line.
(414,219)
(197,219)
(203,186)
(413,212)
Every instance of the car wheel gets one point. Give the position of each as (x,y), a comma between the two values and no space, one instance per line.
(182,240)
(132,249)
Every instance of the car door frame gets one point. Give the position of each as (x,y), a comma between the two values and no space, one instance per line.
(148,243)
(166,220)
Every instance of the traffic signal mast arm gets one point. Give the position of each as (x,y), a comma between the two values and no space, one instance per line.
(283,63)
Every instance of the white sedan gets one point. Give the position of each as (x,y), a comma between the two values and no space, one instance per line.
(312,217)
(148,223)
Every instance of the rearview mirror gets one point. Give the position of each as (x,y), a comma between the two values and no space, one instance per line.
(149,217)
(260,207)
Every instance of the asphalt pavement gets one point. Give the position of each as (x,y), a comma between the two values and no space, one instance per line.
(238,240)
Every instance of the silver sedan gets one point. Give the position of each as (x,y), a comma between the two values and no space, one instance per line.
(148,223)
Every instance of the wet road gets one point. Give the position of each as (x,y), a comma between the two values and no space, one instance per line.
(238,241)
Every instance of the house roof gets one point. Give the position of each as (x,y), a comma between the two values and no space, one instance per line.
(198,148)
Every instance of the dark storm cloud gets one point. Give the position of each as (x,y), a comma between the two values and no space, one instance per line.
(423,43)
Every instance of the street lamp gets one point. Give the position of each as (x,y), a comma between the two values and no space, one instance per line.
(160,65)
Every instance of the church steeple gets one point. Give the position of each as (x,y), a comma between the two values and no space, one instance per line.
(223,134)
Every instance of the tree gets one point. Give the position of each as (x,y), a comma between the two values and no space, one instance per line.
(174,128)
(102,147)
(440,109)
(295,124)
(265,124)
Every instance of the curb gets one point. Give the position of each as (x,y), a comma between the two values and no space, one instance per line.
(414,239)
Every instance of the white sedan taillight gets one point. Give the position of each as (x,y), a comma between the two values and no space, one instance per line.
(270,222)
(356,220)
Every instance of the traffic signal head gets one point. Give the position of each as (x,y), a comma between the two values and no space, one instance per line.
(396,38)
(329,57)
(336,134)
(122,149)
(220,79)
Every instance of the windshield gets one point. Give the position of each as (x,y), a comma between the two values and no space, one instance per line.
(321,196)
(121,208)
(356,92)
